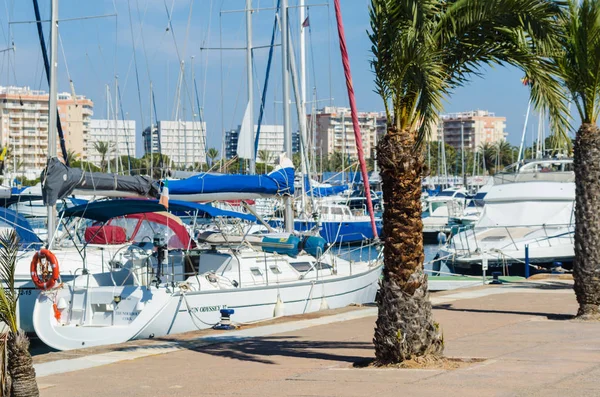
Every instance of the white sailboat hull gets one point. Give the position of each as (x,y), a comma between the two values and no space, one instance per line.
(164,313)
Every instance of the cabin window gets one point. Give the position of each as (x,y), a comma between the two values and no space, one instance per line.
(301,266)
(275,269)
(256,271)
(323,266)
(337,211)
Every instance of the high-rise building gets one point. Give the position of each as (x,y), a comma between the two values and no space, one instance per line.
(335,132)
(182,141)
(271,139)
(75,116)
(24,126)
(435,131)
(479,126)
(118,134)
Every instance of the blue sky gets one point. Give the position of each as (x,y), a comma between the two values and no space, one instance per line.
(97,50)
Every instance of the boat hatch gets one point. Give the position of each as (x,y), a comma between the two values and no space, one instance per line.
(256,271)
(275,269)
(493,238)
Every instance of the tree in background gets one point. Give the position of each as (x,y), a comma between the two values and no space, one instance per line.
(103,148)
(211,155)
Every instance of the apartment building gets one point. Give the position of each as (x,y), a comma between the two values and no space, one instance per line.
(335,131)
(271,139)
(479,126)
(119,134)
(24,126)
(182,141)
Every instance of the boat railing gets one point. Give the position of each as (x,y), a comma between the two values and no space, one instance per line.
(463,237)
(532,176)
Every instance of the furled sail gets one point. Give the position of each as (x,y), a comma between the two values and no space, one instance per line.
(60,181)
(209,186)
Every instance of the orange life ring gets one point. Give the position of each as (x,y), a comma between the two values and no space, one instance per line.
(48,278)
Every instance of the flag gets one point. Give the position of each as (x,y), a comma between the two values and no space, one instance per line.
(164,195)
(306,23)
(3,154)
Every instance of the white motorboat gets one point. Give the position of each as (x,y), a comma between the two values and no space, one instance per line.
(439,208)
(532,208)
(138,297)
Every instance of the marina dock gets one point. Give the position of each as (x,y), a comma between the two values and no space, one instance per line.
(522,335)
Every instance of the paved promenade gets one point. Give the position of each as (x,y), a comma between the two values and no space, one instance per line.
(524,333)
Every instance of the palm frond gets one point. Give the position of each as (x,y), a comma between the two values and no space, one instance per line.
(578,61)
(9,246)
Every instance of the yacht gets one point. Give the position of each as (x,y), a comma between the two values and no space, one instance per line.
(527,224)
(439,208)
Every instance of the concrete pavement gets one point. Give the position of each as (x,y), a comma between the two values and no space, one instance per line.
(524,333)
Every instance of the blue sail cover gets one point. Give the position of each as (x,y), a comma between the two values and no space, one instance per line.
(323,191)
(9,218)
(208,186)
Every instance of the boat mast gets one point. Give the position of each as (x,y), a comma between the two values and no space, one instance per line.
(521,154)
(302,57)
(151,137)
(250,82)
(52,108)
(462,153)
(287,131)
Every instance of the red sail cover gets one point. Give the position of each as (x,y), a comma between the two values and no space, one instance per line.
(357,135)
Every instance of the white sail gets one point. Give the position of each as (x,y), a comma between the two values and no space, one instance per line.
(245,146)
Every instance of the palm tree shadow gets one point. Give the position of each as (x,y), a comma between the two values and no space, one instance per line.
(264,349)
(549,316)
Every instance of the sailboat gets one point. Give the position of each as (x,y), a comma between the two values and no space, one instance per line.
(161,286)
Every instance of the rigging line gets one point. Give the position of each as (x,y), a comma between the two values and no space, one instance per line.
(221,75)
(64,57)
(206,57)
(141,21)
(116,38)
(330,51)
(6,37)
(170,27)
(312,51)
(124,129)
(187,29)
(61,136)
(267,73)
(160,156)
(137,78)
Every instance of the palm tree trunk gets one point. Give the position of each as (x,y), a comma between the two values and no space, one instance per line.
(586,268)
(405,328)
(20,366)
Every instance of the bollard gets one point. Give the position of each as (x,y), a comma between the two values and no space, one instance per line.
(526,260)
(484,266)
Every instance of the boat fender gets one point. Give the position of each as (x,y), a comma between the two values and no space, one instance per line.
(441,238)
(49,276)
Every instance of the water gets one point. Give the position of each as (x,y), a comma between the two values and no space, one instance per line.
(357,253)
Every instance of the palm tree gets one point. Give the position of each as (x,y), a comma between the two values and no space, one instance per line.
(103,147)
(422,50)
(488,157)
(579,68)
(212,155)
(19,379)
(266,156)
(503,154)
(72,156)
